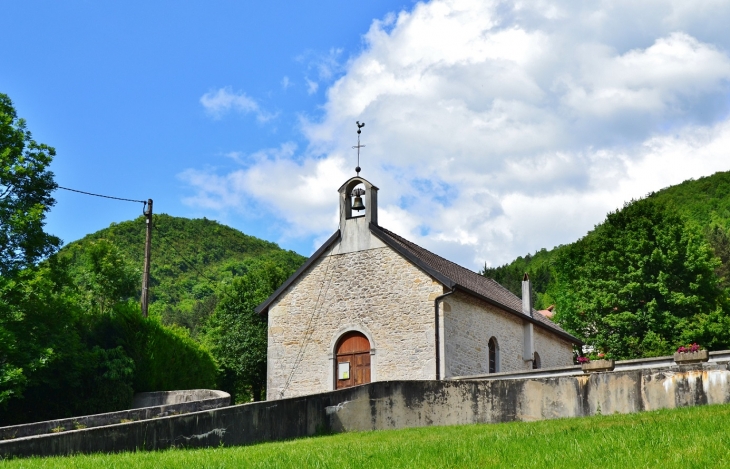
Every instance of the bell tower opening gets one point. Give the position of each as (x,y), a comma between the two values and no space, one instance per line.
(358,199)
(357,206)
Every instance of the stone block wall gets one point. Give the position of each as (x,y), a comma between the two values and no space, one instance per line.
(376,292)
(553,350)
(469,323)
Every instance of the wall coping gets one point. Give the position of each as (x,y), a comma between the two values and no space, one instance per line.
(572,370)
(167,398)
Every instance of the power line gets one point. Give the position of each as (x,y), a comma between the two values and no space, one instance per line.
(147,211)
(100,195)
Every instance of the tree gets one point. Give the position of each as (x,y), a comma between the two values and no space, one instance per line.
(719,239)
(237,333)
(510,276)
(106,277)
(37,332)
(641,284)
(25,193)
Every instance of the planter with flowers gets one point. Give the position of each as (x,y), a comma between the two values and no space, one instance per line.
(690,354)
(596,363)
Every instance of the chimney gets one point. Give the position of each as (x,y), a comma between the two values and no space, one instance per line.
(526,296)
(528,344)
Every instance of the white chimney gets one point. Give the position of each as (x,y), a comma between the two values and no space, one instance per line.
(526,296)
(528,349)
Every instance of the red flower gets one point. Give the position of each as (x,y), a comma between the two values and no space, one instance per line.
(689,349)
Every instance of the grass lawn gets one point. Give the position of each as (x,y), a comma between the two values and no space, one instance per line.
(697,437)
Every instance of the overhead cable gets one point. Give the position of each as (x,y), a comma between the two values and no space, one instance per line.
(100,195)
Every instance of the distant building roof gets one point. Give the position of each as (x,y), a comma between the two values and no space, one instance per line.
(548,313)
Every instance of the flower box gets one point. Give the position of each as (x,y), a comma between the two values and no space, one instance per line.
(687,358)
(597,366)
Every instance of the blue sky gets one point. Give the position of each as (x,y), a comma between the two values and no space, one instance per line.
(116,88)
(493,128)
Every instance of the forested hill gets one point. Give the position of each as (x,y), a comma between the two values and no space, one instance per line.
(191,259)
(703,203)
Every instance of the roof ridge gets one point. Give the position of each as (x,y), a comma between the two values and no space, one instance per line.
(488,279)
(421,247)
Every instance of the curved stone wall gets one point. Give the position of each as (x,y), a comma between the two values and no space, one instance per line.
(146,405)
(166,398)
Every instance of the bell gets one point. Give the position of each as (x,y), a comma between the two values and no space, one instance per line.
(357,204)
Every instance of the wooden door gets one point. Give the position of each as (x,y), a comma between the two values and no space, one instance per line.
(352,366)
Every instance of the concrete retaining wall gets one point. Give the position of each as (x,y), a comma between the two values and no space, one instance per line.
(207,398)
(399,404)
(145,405)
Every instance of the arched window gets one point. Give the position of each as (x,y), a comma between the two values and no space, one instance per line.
(493,355)
(536,361)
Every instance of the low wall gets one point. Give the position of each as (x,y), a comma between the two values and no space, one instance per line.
(208,398)
(415,404)
(145,405)
(399,404)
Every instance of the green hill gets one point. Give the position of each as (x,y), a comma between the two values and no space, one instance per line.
(191,258)
(704,202)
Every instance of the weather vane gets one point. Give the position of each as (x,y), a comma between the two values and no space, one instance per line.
(358,146)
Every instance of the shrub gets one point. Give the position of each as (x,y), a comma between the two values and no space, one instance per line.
(165,358)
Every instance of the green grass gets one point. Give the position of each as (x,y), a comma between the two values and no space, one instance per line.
(695,437)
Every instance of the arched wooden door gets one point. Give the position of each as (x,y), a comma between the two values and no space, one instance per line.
(352,366)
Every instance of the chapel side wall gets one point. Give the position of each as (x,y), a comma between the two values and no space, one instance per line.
(375,291)
(468,325)
(553,350)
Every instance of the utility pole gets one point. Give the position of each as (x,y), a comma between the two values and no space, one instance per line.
(147,249)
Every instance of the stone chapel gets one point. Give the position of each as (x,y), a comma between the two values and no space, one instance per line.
(370,305)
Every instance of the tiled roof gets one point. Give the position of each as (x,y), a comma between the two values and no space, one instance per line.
(454,275)
(450,274)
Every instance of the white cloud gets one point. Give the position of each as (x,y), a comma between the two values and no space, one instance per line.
(312,86)
(326,65)
(286,83)
(221,101)
(322,68)
(497,128)
(272,182)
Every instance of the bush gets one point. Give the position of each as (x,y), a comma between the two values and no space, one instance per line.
(165,358)
(100,364)
(108,381)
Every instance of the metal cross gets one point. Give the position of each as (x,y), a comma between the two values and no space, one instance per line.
(358,146)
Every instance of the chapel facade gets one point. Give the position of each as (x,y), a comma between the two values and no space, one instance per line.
(370,305)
